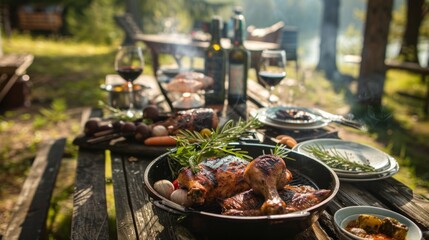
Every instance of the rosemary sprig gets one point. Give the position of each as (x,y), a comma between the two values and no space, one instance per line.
(336,159)
(118,114)
(282,151)
(192,147)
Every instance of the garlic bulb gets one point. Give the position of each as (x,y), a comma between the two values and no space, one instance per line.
(180,196)
(164,187)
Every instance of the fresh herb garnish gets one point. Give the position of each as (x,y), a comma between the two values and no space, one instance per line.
(282,151)
(118,114)
(192,147)
(336,159)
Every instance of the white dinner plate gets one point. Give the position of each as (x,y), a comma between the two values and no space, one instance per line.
(261,115)
(385,166)
(368,178)
(393,168)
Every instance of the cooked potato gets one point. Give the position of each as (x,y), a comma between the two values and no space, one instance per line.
(370,223)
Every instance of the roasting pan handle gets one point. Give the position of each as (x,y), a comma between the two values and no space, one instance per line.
(300,214)
(170,207)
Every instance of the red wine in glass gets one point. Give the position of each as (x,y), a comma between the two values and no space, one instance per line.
(129,63)
(129,73)
(272,70)
(271,78)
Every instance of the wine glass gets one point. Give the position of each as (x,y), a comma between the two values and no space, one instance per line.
(129,65)
(272,70)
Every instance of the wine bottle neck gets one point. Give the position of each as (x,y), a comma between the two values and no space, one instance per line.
(215,31)
(238,30)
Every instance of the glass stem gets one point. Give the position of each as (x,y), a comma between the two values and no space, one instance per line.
(270,95)
(131,95)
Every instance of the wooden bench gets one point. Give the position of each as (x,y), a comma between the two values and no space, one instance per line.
(411,67)
(12,68)
(417,69)
(31,209)
(46,18)
(406,66)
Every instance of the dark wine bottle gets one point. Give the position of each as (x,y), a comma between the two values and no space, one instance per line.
(214,65)
(237,12)
(238,65)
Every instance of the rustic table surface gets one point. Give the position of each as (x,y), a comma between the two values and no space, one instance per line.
(137,218)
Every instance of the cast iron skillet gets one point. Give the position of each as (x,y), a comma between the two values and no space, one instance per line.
(212,225)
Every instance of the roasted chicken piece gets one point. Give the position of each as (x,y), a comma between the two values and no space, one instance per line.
(193,119)
(217,178)
(393,228)
(297,198)
(266,174)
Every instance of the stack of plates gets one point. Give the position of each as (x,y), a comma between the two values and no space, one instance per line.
(306,119)
(384,165)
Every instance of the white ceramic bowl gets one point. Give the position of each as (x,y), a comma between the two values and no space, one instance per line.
(345,215)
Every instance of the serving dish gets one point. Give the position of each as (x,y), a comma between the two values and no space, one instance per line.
(171,72)
(297,115)
(208,223)
(347,214)
(261,115)
(384,165)
(119,96)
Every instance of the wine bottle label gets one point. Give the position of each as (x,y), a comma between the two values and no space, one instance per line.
(214,69)
(236,79)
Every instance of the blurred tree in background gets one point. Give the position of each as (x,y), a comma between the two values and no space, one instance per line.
(92,20)
(164,16)
(328,40)
(416,11)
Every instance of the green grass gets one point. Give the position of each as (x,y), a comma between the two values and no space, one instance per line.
(66,75)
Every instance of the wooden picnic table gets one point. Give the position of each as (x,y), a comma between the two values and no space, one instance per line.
(137,218)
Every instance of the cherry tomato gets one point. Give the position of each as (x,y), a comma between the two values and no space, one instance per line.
(176,184)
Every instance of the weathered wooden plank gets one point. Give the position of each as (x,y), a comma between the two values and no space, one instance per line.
(146,220)
(15,63)
(90,219)
(88,113)
(122,147)
(326,221)
(314,232)
(124,218)
(350,195)
(31,209)
(400,198)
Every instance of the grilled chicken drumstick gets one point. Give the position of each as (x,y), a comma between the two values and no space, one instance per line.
(266,174)
(297,198)
(217,178)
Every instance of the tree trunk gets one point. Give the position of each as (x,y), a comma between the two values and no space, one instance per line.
(328,38)
(409,51)
(372,69)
